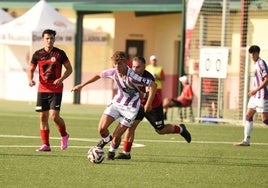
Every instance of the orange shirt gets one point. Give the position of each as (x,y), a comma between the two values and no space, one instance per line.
(186,92)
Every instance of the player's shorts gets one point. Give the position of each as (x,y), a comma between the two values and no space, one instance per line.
(48,101)
(126,114)
(155,117)
(259,105)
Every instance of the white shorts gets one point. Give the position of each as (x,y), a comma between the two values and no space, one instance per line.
(259,105)
(126,114)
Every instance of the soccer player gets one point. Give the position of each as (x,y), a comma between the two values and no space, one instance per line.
(155,117)
(50,61)
(125,104)
(258,101)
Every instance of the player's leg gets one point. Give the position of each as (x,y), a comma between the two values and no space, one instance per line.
(248,125)
(104,124)
(109,115)
(55,105)
(42,107)
(115,143)
(44,131)
(128,141)
(127,117)
(155,117)
(130,135)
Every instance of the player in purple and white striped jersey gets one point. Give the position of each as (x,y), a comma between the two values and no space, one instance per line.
(125,104)
(258,101)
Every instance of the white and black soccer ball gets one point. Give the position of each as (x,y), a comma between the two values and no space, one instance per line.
(95,154)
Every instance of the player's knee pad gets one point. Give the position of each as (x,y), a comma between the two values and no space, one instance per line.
(249,118)
(265,121)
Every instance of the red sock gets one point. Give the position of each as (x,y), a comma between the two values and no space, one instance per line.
(62,130)
(127,146)
(177,129)
(45,136)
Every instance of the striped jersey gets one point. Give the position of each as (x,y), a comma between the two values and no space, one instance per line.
(128,93)
(260,71)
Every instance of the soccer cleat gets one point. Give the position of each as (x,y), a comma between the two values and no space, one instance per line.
(123,156)
(64,142)
(243,143)
(185,134)
(44,147)
(110,155)
(102,143)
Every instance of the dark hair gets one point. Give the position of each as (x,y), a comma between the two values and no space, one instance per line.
(119,56)
(253,49)
(140,59)
(50,32)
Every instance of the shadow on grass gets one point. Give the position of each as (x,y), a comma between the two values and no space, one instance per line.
(196,160)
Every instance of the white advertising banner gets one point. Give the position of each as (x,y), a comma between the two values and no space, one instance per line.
(213,62)
(192,12)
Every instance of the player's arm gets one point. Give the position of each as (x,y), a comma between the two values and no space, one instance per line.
(31,70)
(262,85)
(152,91)
(68,71)
(90,80)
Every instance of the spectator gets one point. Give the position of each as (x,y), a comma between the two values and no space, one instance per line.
(157,72)
(184,99)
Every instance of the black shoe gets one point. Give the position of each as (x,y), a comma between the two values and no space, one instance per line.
(185,134)
(110,155)
(102,143)
(123,156)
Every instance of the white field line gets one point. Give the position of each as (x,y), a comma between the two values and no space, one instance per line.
(134,144)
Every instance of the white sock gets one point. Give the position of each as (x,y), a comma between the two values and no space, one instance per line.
(247,130)
(112,149)
(107,139)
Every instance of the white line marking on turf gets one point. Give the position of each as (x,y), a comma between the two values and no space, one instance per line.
(134,144)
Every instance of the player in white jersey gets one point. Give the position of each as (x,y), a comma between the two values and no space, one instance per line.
(125,104)
(258,101)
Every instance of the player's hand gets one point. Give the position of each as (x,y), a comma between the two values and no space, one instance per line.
(31,83)
(147,108)
(58,82)
(252,92)
(77,88)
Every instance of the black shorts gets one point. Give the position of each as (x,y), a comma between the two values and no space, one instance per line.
(175,103)
(155,117)
(48,101)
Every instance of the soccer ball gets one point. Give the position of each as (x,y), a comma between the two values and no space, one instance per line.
(95,154)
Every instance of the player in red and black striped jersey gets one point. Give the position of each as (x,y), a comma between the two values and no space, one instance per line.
(49,61)
(155,116)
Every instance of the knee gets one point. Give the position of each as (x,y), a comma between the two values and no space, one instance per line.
(249,118)
(160,130)
(265,121)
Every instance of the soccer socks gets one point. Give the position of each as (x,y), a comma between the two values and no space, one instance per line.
(177,129)
(62,130)
(113,147)
(45,136)
(248,127)
(127,147)
(107,139)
